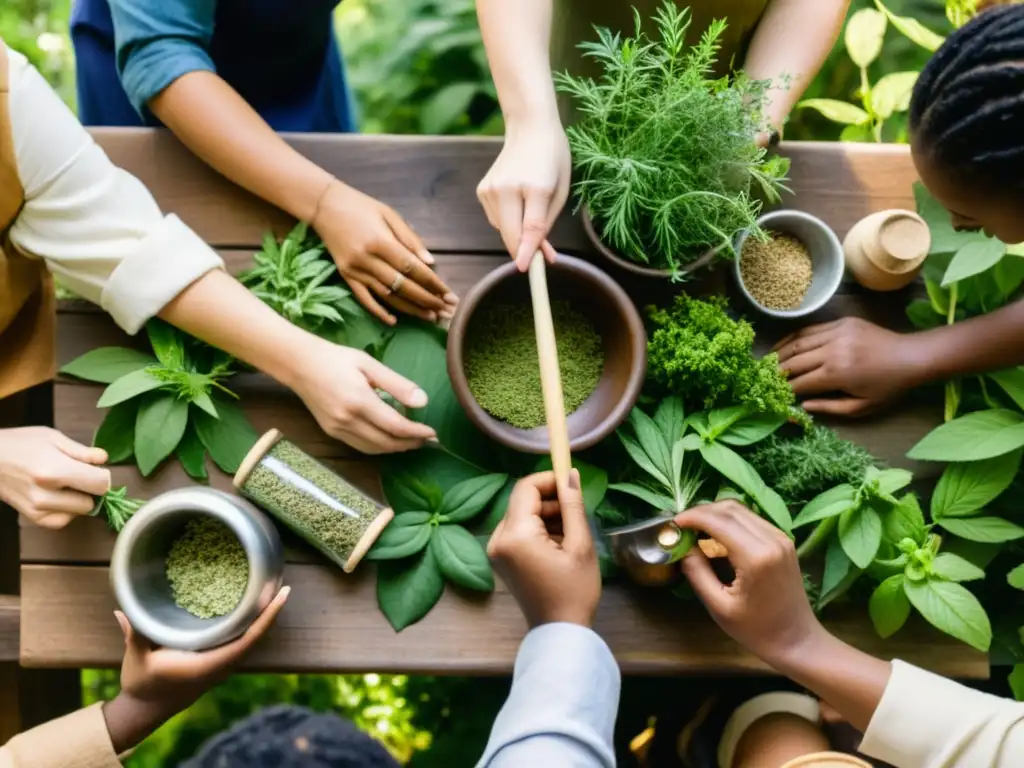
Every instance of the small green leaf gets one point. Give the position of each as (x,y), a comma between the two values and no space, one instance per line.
(864,34)
(205,402)
(938,297)
(406,492)
(640,458)
(159,427)
(891,94)
(1011,381)
(167,343)
(752,429)
(976,436)
(922,315)
(860,532)
(408,589)
(736,469)
(965,488)
(987,530)
(658,501)
(400,541)
(442,110)
(228,438)
(461,558)
(913,30)
(468,499)
(889,607)
(954,568)
(1016,682)
(116,433)
(904,521)
(832,502)
(973,258)
(128,386)
(837,566)
(671,418)
(837,111)
(951,608)
(1015,578)
(892,480)
(108,364)
(653,442)
(192,454)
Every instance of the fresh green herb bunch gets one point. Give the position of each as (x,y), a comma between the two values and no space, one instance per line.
(170,401)
(117,506)
(666,153)
(800,467)
(700,353)
(292,278)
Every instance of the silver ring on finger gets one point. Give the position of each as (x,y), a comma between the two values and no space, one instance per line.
(396,284)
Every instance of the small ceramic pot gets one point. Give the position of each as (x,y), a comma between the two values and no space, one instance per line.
(885,251)
(705,259)
(649,551)
(139,581)
(312,500)
(826,260)
(613,316)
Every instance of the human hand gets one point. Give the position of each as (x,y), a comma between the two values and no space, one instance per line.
(526,188)
(48,477)
(765,608)
(870,365)
(544,552)
(338,385)
(157,683)
(380,256)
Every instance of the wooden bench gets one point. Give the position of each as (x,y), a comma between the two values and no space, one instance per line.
(332,622)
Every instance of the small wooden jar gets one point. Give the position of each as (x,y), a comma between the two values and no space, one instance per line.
(885,250)
(312,500)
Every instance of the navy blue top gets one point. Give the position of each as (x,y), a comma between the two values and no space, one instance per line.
(280,55)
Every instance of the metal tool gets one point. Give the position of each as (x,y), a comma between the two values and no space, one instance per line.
(649,550)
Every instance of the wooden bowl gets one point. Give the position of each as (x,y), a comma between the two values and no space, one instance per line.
(613,316)
(704,260)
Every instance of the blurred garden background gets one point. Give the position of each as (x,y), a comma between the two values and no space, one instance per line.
(418,66)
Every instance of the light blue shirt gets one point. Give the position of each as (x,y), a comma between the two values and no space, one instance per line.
(562,706)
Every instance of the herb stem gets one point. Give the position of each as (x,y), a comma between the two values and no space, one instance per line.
(818,536)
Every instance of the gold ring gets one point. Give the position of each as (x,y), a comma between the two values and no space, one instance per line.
(396,285)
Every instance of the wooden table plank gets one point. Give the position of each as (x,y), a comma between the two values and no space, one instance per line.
(331,624)
(10,627)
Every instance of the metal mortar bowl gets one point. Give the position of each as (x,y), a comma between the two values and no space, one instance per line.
(649,551)
(139,581)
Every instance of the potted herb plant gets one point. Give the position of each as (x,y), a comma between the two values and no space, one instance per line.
(668,168)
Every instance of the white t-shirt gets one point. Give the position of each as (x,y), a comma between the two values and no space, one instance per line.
(97,226)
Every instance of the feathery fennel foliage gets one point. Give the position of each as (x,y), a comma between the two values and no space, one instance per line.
(666,155)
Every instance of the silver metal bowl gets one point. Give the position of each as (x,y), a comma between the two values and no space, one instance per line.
(139,581)
(827,260)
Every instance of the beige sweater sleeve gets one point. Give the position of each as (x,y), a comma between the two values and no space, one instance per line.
(78,740)
(927,721)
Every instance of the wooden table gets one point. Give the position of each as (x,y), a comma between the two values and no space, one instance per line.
(332,622)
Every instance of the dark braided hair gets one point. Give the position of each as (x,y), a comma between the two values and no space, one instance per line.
(292,737)
(967,110)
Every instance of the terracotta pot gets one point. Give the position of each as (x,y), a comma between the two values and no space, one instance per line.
(613,316)
(639,269)
(885,251)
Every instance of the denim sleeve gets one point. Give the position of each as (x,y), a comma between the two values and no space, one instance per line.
(158,41)
(562,707)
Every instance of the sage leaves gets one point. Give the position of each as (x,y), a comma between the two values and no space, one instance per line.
(169,402)
(425,544)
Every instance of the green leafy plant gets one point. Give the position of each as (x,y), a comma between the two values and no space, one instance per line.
(698,352)
(801,466)
(427,544)
(666,155)
(117,507)
(172,401)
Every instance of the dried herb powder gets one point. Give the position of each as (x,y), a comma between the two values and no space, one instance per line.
(312,500)
(207,569)
(501,366)
(777,272)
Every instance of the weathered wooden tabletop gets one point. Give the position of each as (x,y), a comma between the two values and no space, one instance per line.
(332,622)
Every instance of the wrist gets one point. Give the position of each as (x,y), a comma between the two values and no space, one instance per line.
(917,355)
(811,649)
(532,119)
(289,368)
(131,720)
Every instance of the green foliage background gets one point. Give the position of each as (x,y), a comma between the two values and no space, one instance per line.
(418,66)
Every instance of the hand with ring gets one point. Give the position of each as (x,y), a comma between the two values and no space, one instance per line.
(381,258)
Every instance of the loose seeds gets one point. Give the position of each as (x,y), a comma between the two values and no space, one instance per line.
(777,273)
(207,569)
(501,363)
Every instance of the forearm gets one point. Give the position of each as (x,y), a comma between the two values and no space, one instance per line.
(219,126)
(130,721)
(849,680)
(990,342)
(517,37)
(773,56)
(220,311)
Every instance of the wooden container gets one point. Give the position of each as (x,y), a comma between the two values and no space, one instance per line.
(885,251)
(312,500)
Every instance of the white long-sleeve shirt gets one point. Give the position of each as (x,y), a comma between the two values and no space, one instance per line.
(97,226)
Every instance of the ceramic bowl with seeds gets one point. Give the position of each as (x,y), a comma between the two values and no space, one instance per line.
(795,271)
